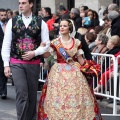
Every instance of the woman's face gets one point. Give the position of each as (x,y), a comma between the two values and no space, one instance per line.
(90,14)
(110,45)
(97,41)
(64,27)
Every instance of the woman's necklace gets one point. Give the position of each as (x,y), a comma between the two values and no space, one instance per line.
(66,42)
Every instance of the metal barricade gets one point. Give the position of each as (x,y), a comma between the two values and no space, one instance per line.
(112,80)
(111,88)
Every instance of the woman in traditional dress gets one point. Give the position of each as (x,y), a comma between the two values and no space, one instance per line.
(66,95)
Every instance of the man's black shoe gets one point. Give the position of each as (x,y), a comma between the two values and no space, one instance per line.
(3,96)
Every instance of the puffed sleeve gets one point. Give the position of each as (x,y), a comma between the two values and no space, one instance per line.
(52,50)
(79,50)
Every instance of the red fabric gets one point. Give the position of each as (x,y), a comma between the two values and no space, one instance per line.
(90,68)
(106,75)
(50,23)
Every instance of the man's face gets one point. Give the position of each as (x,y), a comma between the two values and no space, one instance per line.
(107,23)
(25,6)
(3,16)
(72,15)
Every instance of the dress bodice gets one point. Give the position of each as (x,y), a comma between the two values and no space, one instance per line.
(72,51)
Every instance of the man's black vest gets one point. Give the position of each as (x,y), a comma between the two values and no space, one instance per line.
(25,39)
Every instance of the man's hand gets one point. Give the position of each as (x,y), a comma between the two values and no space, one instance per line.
(7,71)
(28,55)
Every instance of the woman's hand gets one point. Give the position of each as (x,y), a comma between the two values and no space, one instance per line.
(43,44)
(81,60)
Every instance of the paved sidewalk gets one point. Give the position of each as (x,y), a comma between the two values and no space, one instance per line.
(105,104)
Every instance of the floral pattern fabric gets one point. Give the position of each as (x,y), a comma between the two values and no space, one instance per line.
(24,39)
(67,95)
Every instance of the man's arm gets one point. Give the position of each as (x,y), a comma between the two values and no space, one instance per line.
(44,38)
(6,46)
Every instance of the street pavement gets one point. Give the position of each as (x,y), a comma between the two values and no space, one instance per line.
(8,111)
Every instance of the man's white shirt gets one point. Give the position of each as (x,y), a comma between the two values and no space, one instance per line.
(6,47)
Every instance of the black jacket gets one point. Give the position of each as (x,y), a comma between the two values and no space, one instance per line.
(107,61)
(85,48)
(78,22)
(115,26)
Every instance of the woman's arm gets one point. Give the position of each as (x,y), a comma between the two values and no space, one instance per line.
(46,54)
(81,60)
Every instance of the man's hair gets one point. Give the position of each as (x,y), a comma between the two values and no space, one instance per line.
(85,7)
(105,18)
(105,12)
(112,15)
(16,12)
(114,7)
(11,12)
(103,38)
(2,10)
(31,1)
(48,10)
(62,8)
(75,11)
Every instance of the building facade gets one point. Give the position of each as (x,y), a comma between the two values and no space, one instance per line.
(53,4)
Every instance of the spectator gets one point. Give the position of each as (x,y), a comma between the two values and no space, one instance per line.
(82,31)
(64,13)
(106,25)
(75,16)
(46,14)
(90,40)
(100,42)
(3,78)
(84,9)
(113,7)
(113,46)
(15,13)
(9,14)
(115,22)
(93,21)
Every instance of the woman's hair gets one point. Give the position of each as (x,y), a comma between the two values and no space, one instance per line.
(69,24)
(98,29)
(103,38)
(112,15)
(90,36)
(82,31)
(115,40)
(90,10)
(96,16)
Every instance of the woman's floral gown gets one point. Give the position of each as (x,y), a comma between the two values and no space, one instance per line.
(66,94)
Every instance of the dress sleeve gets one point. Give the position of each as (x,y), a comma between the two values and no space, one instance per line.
(79,51)
(52,50)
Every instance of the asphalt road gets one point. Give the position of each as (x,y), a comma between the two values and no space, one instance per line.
(8,112)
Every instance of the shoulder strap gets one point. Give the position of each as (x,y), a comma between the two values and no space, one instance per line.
(62,51)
